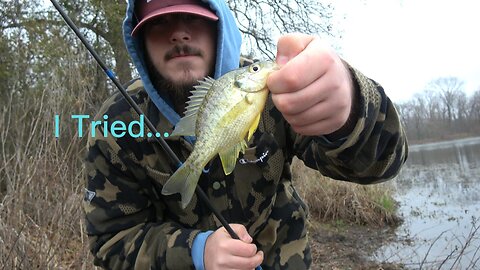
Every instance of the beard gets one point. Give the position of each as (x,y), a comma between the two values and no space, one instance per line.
(177,91)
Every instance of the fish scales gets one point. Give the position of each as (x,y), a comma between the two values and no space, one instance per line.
(222,114)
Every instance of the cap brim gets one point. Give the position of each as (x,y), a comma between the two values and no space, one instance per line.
(190,9)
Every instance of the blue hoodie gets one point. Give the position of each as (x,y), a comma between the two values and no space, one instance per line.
(228,58)
(228,51)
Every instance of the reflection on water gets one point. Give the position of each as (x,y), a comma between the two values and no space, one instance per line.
(465,153)
(439,193)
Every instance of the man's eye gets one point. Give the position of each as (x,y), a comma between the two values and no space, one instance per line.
(160,21)
(190,18)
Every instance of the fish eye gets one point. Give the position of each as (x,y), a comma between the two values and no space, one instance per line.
(254,68)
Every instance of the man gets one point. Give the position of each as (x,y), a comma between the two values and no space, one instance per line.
(321,110)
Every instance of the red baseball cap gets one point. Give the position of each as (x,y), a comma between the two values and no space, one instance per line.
(146,10)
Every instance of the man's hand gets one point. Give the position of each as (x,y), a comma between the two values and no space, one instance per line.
(313,88)
(224,252)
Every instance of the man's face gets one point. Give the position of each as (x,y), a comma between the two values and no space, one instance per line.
(181,47)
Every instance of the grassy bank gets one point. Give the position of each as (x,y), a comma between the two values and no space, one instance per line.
(348,222)
(343,202)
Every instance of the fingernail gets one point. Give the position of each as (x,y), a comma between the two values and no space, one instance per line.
(247,239)
(282,59)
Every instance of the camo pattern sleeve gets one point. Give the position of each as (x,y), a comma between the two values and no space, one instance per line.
(126,230)
(373,152)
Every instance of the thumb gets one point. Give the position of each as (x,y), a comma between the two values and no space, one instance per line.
(290,45)
(242,233)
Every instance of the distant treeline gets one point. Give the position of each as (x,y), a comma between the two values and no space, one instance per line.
(442,111)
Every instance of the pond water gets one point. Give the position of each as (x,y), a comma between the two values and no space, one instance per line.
(439,194)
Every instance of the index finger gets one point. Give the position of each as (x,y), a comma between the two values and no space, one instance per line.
(303,68)
(243,249)
(291,45)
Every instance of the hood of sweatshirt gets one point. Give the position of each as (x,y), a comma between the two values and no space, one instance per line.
(228,51)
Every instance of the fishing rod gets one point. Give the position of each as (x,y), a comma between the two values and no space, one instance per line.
(173,157)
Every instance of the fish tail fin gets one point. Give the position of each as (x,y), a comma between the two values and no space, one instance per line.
(183,181)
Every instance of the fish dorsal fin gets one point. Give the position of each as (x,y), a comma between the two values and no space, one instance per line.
(186,125)
(197,96)
(205,84)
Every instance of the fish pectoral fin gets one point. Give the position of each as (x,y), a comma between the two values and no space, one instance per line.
(253,127)
(183,181)
(186,126)
(229,157)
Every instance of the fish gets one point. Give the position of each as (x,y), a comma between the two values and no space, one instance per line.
(222,114)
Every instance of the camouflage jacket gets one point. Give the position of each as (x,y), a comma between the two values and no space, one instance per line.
(132,226)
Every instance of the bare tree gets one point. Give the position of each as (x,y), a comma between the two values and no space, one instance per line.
(432,100)
(450,90)
(474,106)
(441,111)
(403,113)
(461,106)
(99,21)
(262,21)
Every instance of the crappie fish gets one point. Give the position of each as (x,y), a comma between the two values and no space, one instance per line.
(221,114)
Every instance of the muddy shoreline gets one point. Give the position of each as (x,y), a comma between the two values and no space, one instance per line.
(341,246)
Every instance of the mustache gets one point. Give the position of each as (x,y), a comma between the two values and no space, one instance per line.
(182,50)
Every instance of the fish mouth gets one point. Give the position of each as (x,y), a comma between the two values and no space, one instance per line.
(254,90)
(259,81)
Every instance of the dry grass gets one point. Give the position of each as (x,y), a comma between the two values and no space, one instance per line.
(41,177)
(342,202)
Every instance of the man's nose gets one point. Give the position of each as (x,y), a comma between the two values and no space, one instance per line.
(180,33)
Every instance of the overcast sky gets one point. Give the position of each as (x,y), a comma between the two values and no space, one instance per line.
(404,44)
